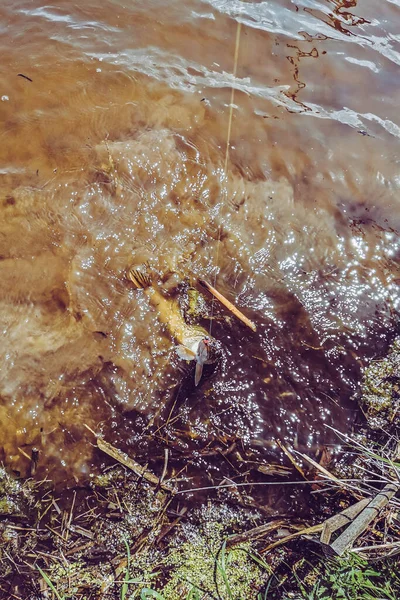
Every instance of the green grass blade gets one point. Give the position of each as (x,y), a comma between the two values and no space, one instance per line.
(50,584)
(222,569)
(127,579)
(147,593)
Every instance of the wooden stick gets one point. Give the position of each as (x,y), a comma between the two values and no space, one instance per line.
(235,311)
(256,532)
(290,457)
(292,536)
(340,520)
(128,462)
(360,524)
(326,528)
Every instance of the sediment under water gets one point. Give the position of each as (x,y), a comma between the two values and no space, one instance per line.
(114,125)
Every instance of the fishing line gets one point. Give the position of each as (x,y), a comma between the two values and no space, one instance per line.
(228,140)
(257,483)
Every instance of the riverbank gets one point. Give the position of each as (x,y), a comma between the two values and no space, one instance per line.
(126,534)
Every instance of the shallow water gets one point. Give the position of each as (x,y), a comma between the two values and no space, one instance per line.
(113,140)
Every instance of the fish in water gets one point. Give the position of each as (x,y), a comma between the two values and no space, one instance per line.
(194,341)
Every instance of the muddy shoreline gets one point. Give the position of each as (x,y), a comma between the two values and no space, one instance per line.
(128,533)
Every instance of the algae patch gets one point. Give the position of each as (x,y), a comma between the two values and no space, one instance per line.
(15,497)
(200,560)
(120,533)
(380,398)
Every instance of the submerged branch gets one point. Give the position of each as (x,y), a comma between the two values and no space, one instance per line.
(128,462)
(235,311)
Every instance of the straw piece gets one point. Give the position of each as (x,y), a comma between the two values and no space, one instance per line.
(256,533)
(319,468)
(290,456)
(378,547)
(128,462)
(235,311)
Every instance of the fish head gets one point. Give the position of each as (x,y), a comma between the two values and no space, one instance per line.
(203,356)
(203,350)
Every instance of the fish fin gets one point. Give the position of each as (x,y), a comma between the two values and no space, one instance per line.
(198,373)
(185,353)
(140,279)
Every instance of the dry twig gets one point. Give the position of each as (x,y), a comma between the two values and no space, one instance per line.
(360,524)
(235,311)
(256,532)
(128,462)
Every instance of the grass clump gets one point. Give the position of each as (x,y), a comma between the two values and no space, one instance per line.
(353,578)
(348,578)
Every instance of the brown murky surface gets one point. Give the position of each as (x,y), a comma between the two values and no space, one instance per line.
(115,147)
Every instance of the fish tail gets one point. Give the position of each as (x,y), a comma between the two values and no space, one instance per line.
(139,278)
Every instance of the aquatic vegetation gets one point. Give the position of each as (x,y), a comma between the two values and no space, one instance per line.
(199,559)
(380,395)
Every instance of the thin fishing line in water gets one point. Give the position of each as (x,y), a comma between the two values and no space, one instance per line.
(228,140)
(257,483)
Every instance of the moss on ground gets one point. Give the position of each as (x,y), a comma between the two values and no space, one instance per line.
(380,397)
(199,559)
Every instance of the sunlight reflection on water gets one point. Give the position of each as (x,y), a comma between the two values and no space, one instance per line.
(116,148)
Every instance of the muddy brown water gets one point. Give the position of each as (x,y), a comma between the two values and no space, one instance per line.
(114,121)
